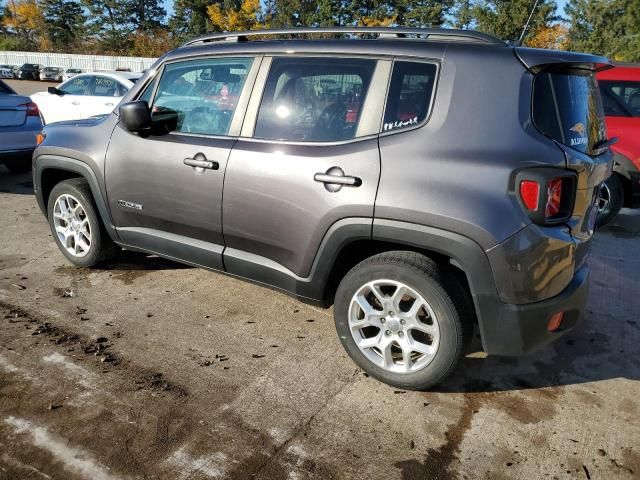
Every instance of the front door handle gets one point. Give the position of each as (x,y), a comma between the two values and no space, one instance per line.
(109,104)
(334,179)
(200,161)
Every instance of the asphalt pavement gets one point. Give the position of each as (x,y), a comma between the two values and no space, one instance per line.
(150,369)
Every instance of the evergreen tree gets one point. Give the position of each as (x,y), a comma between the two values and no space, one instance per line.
(605,27)
(422,13)
(108,24)
(145,15)
(506,18)
(190,17)
(64,23)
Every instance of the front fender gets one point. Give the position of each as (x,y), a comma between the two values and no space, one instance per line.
(44,163)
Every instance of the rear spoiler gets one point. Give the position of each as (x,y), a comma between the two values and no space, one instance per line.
(537,59)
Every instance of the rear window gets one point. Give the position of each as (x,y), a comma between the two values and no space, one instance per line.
(620,98)
(567,107)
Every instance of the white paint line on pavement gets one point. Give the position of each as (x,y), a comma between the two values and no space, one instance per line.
(211,466)
(74,459)
(15,463)
(83,376)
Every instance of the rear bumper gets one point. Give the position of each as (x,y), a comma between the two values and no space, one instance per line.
(516,329)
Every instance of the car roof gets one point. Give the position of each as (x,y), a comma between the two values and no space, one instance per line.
(621,71)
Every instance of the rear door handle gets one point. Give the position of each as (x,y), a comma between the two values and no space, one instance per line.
(75,103)
(334,179)
(109,104)
(199,160)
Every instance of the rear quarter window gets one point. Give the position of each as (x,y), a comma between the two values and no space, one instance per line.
(568,108)
(410,93)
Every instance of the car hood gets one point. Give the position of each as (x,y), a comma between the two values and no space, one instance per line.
(86,122)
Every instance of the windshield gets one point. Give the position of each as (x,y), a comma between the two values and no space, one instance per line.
(567,107)
(620,98)
(74,70)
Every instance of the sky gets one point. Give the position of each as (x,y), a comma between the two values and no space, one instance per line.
(168,5)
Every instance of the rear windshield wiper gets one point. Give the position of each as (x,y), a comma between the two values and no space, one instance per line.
(603,145)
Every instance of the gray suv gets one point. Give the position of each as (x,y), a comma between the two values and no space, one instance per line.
(420,181)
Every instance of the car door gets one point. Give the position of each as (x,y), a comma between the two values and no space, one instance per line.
(71,104)
(307,159)
(165,188)
(102,96)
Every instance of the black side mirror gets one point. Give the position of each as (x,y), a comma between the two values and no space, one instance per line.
(136,116)
(54,91)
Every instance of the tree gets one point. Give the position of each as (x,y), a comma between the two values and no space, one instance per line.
(245,16)
(24,18)
(190,17)
(150,43)
(506,18)
(462,14)
(422,13)
(108,24)
(605,27)
(64,23)
(145,15)
(553,37)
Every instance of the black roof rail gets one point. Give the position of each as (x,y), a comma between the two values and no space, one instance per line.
(381,32)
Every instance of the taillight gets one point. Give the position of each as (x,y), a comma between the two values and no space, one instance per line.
(547,194)
(554,198)
(32,109)
(530,193)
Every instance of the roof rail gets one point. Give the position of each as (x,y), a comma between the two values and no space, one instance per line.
(381,32)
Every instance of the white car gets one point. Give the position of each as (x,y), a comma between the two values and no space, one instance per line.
(70,73)
(83,96)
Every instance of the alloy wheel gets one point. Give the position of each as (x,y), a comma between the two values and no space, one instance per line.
(394,326)
(72,225)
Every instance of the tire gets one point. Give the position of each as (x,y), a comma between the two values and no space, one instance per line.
(444,300)
(19,166)
(614,190)
(95,246)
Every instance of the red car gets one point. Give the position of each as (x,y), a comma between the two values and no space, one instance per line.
(620,91)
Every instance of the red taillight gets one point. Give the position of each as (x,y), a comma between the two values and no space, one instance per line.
(555,321)
(530,192)
(32,109)
(554,196)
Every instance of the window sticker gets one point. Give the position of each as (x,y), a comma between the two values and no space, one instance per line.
(581,131)
(400,124)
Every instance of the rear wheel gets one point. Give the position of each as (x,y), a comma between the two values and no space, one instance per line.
(611,199)
(403,319)
(76,226)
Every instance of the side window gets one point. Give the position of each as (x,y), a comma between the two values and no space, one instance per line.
(122,90)
(105,87)
(313,99)
(77,85)
(199,96)
(620,98)
(148,91)
(410,94)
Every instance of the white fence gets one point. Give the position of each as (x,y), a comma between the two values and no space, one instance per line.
(85,62)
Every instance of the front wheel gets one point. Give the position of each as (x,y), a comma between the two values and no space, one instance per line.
(403,319)
(75,224)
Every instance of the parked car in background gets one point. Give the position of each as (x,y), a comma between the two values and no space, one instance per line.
(70,73)
(29,71)
(83,96)
(7,71)
(368,174)
(620,91)
(51,74)
(20,125)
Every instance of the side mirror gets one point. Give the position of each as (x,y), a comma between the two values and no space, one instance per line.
(54,91)
(136,116)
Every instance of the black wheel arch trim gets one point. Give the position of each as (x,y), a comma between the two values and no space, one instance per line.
(57,162)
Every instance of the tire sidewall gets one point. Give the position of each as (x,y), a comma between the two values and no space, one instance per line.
(616,199)
(77,192)
(436,297)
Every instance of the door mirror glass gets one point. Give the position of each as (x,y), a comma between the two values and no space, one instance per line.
(136,116)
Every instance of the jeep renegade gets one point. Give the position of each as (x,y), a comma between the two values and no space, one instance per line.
(420,181)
